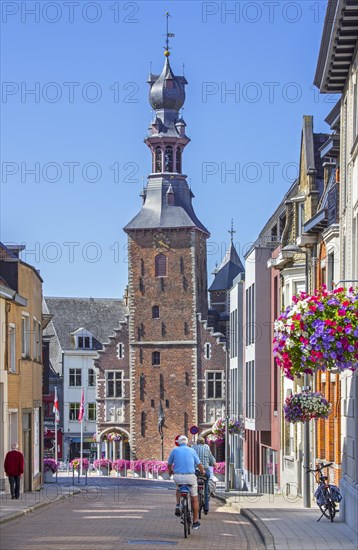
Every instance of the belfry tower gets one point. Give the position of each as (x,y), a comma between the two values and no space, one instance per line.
(167,283)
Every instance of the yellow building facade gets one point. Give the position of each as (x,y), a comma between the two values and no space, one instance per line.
(21,362)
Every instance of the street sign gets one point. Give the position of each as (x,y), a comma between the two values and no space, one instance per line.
(176,440)
(194,430)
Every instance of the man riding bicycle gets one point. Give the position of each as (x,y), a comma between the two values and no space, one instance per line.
(207,459)
(183,461)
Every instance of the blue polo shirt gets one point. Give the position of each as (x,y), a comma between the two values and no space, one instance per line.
(184,458)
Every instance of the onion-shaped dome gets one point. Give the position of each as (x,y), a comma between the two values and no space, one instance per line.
(167,92)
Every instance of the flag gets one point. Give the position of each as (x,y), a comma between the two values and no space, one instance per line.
(82,407)
(56,408)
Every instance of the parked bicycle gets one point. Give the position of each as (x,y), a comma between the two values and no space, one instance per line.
(185,510)
(326,494)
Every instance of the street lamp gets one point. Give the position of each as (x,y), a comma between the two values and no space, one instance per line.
(294,249)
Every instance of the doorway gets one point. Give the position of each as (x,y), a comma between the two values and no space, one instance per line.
(26,448)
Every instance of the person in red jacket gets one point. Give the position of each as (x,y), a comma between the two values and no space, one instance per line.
(14,468)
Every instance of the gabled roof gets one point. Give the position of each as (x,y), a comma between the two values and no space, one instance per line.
(100,316)
(229,268)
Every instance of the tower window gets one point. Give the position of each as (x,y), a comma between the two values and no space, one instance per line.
(161,386)
(178,160)
(158,159)
(156,358)
(142,267)
(161,265)
(155,312)
(164,329)
(142,424)
(182,265)
(142,386)
(168,159)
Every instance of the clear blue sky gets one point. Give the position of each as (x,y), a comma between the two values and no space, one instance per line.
(73,54)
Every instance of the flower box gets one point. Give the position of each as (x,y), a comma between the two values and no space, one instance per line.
(303,407)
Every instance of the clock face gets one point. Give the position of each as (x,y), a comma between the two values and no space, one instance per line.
(161,241)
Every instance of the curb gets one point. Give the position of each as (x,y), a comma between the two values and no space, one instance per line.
(34,508)
(259,525)
(263,531)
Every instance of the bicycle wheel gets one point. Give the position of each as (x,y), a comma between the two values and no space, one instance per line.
(328,509)
(189,517)
(201,502)
(185,516)
(332,509)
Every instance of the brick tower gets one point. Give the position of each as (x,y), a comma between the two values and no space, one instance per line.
(167,283)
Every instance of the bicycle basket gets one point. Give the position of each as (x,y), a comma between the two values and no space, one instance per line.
(320,495)
(335,493)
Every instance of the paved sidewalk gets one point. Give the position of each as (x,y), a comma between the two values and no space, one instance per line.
(30,502)
(285,525)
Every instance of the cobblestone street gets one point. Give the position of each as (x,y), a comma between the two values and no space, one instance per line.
(116,514)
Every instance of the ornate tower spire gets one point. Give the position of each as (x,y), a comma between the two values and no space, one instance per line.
(167,140)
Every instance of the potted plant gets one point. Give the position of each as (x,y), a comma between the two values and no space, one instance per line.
(121,467)
(302,407)
(75,463)
(162,469)
(50,468)
(104,465)
(219,471)
(138,468)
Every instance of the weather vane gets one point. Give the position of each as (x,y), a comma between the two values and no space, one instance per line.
(232,231)
(168,35)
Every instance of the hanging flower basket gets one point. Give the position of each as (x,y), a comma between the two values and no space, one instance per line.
(213,438)
(318,332)
(113,436)
(302,407)
(219,428)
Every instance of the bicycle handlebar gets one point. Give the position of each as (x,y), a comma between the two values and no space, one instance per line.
(320,468)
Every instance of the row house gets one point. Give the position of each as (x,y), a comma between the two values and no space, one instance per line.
(337,73)
(260,376)
(21,363)
(295,261)
(77,331)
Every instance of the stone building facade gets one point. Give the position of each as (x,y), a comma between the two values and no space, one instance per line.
(174,365)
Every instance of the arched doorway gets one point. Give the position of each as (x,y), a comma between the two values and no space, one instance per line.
(113,443)
(217,448)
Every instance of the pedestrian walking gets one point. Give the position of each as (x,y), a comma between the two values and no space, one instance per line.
(14,468)
(208,461)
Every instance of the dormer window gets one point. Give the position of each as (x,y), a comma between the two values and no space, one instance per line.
(84,342)
(83,339)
